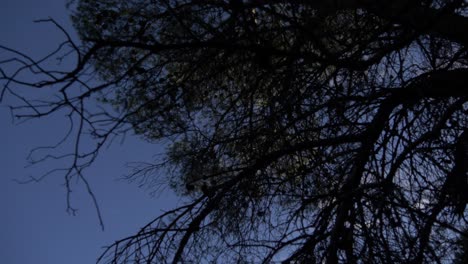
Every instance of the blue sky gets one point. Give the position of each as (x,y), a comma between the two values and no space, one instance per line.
(34,227)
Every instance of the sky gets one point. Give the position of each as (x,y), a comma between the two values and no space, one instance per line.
(34,225)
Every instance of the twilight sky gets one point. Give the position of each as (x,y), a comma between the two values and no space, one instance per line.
(34,226)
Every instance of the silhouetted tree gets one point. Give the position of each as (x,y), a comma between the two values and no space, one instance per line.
(299,131)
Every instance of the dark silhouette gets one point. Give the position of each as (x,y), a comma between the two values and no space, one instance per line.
(302,131)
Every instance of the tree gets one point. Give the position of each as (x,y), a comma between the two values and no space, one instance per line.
(299,131)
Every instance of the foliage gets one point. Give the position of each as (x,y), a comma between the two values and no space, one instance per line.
(300,131)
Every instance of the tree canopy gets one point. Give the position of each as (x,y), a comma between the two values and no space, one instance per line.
(298,131)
